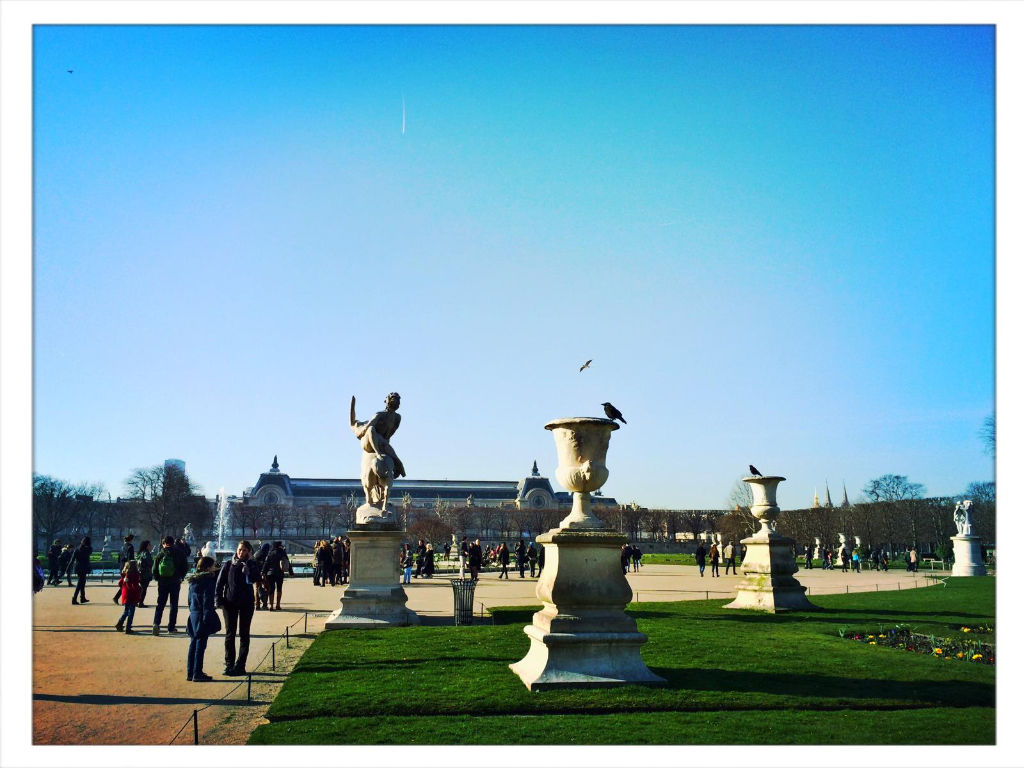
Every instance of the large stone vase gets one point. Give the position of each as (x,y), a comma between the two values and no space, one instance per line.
(374,597)
(582,637)
(768,583)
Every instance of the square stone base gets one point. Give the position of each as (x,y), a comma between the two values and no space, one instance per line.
(768,583)
(967,559)
(373,597)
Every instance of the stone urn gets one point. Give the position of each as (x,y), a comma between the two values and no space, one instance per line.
(764,508)
(582,445)
(582,636)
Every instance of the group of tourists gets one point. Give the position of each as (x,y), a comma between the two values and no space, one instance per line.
(730,554)
(630,553)
(331,560)
(851,560)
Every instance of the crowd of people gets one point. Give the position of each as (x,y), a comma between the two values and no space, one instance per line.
(851,560)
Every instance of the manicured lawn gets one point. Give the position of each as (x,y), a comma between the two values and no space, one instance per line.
(725,670)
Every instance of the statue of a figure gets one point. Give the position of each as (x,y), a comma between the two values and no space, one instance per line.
(380,463)
(187,534)
(962,517)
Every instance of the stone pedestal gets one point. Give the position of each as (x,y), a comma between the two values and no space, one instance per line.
(374,597)
(582,637)
(768,583)
(967,560)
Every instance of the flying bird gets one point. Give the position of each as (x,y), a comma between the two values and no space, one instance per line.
(753,471)
(586,365)
(612,412)
(70,71)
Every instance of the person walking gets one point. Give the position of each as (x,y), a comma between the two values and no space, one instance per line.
(234,596)
(170,567)
(624,558)
(274,569)
(636,554)
(520,555)
(130,589)
(324,559)
(809,557)
(701,556)
(202,616)
(428,562)
(503,561)
(876,559)
(531,555)
(912,556)
(855,560)
(713,556)
(730,558)
(81,562)
(463,557)
(260,589)
(64,563)
(53,561)
(844,557)
(145,560)
(127,553)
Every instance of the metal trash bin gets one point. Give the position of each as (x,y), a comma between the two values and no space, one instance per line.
(463,589)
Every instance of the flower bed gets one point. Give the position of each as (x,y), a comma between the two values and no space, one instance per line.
(963,648)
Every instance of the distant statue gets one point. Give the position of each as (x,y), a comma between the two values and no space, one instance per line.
(962,517)
(380,463)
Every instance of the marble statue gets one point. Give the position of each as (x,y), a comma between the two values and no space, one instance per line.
(380,463)
(962,517)
(187,534)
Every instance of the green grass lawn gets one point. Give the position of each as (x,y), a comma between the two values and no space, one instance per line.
(734,677)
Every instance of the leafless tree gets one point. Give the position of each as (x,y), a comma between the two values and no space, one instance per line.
(987,433)
(168,499)
(53,506)
(741,496)
(326,516)
(897,492)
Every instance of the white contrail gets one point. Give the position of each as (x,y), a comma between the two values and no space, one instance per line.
(403,114)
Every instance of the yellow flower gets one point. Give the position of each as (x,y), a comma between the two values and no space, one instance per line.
(960,654)
(967,629)
(872,643)
(871,637)
(936,650)
(975,656)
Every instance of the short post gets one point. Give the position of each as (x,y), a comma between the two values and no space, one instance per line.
(195,726)
(248,689)
(305,626)
(273,661)
(286,638)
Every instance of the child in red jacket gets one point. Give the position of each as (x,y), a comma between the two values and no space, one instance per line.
(131,595)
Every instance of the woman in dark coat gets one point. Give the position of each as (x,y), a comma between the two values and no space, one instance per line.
(145,570)
(202,616)
(80,562)
(713,556)
(503,560)
(701,556)
(428,562)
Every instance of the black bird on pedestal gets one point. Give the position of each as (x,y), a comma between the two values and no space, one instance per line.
(753,471)
(612,412)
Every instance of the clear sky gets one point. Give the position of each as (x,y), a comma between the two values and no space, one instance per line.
(775,243)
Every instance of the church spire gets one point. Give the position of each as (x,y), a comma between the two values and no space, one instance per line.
(828,498)
(846,501)
(815,505)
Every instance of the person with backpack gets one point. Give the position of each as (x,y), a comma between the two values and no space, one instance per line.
(145,560)
(234,596)
(202,616)
(713,557)
(260,586)
(274,569)
(130,590)
(80,561)
(170,567)
(126,554)
(53,560)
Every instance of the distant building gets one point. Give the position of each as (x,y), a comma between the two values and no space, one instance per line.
(276,487)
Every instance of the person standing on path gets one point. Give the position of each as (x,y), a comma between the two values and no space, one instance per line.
(808,558)
(428,562)
(855,559)
(463,557)
(80,561)
(261,590)
(202,616)
(53,561)
(421,550)
(701,555)
(476,558)
(636,554)
(912,555)
(520,554)
(145,559)
(714,560)
(844,556)
(503,561)
(274,569)
(235,597)
(64,563)
(127,553)
(170,567)
(531,555)
(405,561)
(130,590)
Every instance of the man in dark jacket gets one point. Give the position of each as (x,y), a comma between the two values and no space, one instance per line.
(235,596)
(521,558)
(53,560)
(531,555)
(421,552)
(170,568)
(476,558)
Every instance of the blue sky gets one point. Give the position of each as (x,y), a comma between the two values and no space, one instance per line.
(776,243)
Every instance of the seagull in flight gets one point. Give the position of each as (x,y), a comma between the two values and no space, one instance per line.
(70,71)
(612,412)
(753,471)
(585,365)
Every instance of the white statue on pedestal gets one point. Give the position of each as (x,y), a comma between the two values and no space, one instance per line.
(380,463)
(962,517)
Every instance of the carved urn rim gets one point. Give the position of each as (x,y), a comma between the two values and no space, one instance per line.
(761,478)
(579,421)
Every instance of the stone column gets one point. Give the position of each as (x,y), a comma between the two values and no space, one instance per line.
(817,549)
(374,597)
(769,566)
(967,559)
(582,637)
